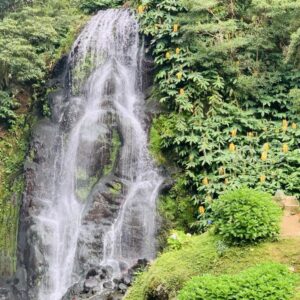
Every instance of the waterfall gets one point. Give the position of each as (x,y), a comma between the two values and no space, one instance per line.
(87,208)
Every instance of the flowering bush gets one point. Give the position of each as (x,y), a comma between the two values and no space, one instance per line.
(246,216)
(231,108)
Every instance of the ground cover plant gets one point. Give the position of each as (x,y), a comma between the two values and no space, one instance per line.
(267,281)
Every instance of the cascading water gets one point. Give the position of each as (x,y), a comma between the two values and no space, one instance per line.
(102,103)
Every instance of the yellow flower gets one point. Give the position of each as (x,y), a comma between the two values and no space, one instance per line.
(294,126)
(141,9)
(263,178)
(226,181)
(181,92)
(264,156)
(179,75)
(250,134)
(266,147)
(285,125)
(205,181)
(175,27)
(168,55)
(177,51)
(221,171)
(285,148)
(201,210)
(233,132)
(232,147)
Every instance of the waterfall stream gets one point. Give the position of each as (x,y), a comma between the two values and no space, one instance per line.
(94,201)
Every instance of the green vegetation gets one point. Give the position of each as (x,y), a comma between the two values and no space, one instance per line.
(13,149)
(228,78)
(155,143)
(7,107)
(115,145)
(91,6)
(268,281)
(206,254)
(175,207)
(246,216)
(84,184)
(116,188)
(33,37)
(10,5)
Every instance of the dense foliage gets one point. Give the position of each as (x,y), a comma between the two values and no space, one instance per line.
(90,6)
(7,107)
(13,149)
(206,254)
(227,75)
(33,36)
(268,281)
(246,216)
(10,5)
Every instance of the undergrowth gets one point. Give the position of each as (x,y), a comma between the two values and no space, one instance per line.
(207,254)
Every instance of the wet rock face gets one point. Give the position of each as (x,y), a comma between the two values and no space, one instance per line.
(105,172)
(8,289)
(101,210)
(31,260)
(100,284)
(5,293)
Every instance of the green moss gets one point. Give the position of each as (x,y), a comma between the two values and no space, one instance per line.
(82,194)
(167,275)
(155,143)
(116,188)
(115,146)
(175,207)
(84,185)
(81,72)
(13,149)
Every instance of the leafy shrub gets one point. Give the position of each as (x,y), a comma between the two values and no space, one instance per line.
(178,239)
(9,5)
(7,106)
(222,85)
(90,6)
(175,206)
(205,254)
(246,215)
(267,281)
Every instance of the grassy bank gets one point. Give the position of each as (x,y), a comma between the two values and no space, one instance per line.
(206,254)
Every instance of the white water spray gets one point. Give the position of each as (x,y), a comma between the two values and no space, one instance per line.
(105,79)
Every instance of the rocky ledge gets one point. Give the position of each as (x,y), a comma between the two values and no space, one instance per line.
(100,285)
